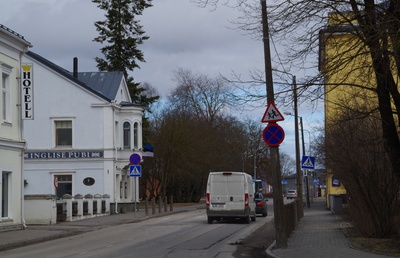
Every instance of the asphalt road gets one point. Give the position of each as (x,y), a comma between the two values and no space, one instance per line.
(179,235)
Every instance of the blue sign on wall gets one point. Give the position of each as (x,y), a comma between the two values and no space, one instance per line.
(81,154)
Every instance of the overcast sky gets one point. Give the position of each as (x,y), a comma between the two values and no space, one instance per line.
(182,35)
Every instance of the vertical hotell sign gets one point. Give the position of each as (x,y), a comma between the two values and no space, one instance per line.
(27,91)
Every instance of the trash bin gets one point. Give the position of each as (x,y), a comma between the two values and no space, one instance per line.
(337,204)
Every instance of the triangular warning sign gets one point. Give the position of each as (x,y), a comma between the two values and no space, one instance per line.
(272,114)
(308,163)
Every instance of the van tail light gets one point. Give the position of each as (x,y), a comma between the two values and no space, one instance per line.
(246,200)
(207,199)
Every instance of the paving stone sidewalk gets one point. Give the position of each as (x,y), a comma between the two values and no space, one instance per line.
(319,234)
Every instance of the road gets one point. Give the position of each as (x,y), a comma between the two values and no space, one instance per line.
(178,235)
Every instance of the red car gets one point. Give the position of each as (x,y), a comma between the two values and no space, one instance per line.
(261,204)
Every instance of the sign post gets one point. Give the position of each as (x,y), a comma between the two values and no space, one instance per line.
(273,136)
(135,170)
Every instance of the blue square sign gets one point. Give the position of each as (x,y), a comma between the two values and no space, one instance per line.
(308,162)
(135,170)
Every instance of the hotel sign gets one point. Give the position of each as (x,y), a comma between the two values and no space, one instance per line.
(85,154)
(27,91)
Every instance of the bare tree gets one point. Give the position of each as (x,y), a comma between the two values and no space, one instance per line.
(288,165)
(205,96)
(364,169)
(193,135)
(375,43)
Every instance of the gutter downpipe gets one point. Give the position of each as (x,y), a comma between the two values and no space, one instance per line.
(22,139)
(115,159)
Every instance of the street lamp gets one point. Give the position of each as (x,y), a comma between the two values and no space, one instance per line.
(299,175)
(298,166)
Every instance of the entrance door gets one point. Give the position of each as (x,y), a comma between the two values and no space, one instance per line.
(64,185)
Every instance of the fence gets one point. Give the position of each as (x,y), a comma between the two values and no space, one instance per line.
(162,202)
(79,207)
(293,213)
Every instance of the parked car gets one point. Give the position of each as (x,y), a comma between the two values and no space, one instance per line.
(261,204)
(291,194)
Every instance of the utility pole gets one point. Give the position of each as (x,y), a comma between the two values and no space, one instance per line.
(280,223)
(299,175)
(304,153)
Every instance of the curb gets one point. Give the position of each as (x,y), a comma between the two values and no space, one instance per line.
(269,252)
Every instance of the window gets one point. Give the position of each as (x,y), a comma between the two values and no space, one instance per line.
(63,133)
(5,96)
(127,135)
(136,136)
(5,193)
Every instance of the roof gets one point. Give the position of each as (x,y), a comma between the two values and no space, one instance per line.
(66,74)
(106,83)
(102,84)
(15,35)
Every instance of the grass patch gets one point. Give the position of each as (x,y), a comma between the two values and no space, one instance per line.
(384,246)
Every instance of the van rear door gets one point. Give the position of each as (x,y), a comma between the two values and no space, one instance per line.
(227,191)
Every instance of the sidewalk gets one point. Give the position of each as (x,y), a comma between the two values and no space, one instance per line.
(319,234)
(39,233)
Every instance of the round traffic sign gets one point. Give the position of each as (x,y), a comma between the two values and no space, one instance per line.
(273,135)
(134,159)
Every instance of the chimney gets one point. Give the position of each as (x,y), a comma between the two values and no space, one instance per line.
(75,67)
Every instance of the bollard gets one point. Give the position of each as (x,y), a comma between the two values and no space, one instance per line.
(159,204)
(171,201)
(153,204)
(146,207)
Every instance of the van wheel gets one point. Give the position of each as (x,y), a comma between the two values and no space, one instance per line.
(210,220)
(247,219)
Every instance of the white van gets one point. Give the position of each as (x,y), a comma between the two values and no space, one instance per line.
(230,195)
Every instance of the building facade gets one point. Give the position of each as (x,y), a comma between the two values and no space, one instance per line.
(12,144)
(80,129)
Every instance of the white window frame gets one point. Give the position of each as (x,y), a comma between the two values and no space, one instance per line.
(124,147)
(54,134)
(136,135)
(6,94)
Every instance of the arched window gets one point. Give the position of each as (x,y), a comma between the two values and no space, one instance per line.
(136,136)
(127,135)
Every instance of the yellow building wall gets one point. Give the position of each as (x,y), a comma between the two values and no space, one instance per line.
(333,190)
(349,80)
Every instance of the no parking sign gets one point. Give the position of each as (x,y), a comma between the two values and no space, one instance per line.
(273,135)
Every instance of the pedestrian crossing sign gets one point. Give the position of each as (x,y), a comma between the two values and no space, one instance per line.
(308,162)
(135,170)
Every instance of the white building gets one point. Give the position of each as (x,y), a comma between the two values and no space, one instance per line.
(80,129)
(12,47)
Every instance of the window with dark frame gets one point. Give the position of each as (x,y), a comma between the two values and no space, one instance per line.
(63,133)
(127,135)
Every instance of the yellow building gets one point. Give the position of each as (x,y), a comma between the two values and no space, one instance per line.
(350,83)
